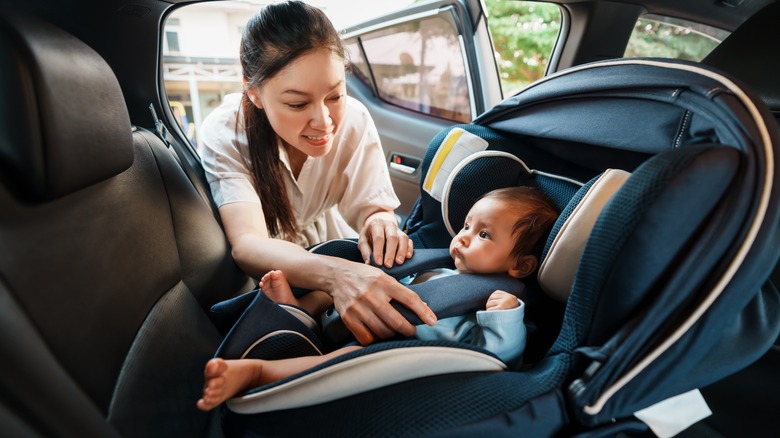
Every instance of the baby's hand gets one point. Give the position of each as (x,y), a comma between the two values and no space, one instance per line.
(500,300)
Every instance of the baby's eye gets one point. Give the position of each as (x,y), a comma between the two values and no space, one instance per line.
(484,235)
(466,226)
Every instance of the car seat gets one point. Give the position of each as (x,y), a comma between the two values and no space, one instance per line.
(670,292)
(110,259)
(734,402)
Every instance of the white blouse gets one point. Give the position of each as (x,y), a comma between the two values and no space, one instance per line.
(333,194)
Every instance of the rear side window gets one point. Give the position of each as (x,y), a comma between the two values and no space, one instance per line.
(200,59)
(524,34)
(667,37)
(417,64)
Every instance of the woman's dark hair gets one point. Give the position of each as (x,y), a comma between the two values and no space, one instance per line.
(277,35)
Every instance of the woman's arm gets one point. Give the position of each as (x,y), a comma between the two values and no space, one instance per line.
(361,293)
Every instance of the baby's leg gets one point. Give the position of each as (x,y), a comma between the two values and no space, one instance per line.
(226,378)
(276,287)
(274,284)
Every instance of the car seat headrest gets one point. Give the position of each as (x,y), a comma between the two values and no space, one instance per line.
(477,174)
(63,121)
(467,171)
(570,233)
(758,35)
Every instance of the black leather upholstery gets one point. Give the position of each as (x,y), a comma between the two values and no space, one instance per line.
(758,36)
(61,107)
(110,258)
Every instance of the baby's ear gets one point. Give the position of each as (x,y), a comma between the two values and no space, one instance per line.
(524,267)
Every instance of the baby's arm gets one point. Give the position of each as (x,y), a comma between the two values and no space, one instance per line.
(500,300)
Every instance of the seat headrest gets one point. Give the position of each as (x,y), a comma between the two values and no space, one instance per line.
(571,231)
(758,36)
(63,120)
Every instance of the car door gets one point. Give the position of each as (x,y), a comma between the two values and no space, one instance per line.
(419,70)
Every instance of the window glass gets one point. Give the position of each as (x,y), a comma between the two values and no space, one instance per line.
(667,37)
(357,63)
(200,44)
(417,65)
(200,59)
(524,34)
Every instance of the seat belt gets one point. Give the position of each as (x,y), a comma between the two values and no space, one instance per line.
(181,155)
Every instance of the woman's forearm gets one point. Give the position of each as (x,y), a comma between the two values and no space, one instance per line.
(257,255)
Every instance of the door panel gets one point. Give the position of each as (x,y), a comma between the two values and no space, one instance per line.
(418,71)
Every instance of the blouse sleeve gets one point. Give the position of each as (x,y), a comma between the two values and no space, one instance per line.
(369,188)
(223,150)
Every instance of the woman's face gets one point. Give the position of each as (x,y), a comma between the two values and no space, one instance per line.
(305,102)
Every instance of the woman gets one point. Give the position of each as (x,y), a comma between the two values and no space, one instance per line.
(293,161)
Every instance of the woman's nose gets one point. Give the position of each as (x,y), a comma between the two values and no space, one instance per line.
(320,118)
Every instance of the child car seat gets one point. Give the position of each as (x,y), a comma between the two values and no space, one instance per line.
(669,293)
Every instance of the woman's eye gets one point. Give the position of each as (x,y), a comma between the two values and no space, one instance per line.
(336,98)
(484,235)
(296,105)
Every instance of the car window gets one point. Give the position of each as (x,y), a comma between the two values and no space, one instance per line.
(200,59)
(200,44)
(417,64)
(667,37)
(524,35)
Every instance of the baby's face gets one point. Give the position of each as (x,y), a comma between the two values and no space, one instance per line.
(484,244)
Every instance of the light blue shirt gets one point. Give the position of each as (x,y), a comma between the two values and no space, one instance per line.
(502,332)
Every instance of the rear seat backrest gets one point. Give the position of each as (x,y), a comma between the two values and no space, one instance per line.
(759,35)
(110,258)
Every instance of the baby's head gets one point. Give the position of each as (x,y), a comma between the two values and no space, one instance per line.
(504,232)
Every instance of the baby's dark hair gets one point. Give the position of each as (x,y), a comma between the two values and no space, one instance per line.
(536,216)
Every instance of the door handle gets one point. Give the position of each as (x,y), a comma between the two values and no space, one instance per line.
(404,164)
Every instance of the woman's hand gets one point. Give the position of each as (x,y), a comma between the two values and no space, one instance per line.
(500,300)
(362,296)
(381,237)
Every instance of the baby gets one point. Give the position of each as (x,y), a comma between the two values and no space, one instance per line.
(504,232)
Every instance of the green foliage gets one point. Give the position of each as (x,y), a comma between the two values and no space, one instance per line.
(524,34)
(658,39)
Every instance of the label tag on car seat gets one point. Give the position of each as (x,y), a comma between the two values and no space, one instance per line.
(673,415)
(457,145)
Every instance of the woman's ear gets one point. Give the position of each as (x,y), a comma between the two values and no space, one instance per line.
(252,94)
(524,267)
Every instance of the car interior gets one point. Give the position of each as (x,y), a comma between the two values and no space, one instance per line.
(113,252)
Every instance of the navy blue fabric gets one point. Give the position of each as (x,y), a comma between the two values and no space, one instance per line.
(699,177)
(261,319)
(653,91)
(564,216)
(559,191)
(425,225)
(479,177)
(447,296)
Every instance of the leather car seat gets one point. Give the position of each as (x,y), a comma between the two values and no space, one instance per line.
(110,259)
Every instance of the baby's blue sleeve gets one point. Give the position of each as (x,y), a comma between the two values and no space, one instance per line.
(502,332)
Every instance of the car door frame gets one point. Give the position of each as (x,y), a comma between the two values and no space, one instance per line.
(405,133)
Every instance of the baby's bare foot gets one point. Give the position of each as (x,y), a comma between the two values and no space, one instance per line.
(227,378)
(274,284)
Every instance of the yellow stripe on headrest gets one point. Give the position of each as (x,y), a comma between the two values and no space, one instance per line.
(441,155)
